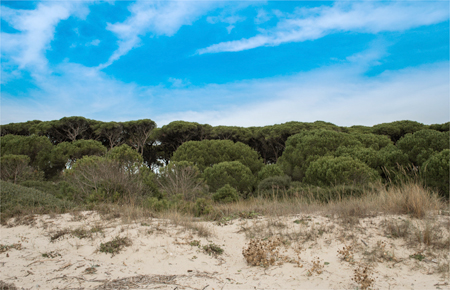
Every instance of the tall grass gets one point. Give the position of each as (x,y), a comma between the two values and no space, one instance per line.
(409,197)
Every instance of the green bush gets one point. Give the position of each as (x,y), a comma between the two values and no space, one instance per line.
(226,194)
(206,153)
(233,173)
(17,200)
(331,170)
(423,144)
(275,182)
(61,189)
(270,170)
(308,146)
(202,206)
(16,168)
(325,194)
(156,204)
(436,172)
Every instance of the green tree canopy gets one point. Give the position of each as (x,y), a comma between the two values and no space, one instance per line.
(423,144)
(445,127)
(111,133)
(67,153)
(270,170)
(138,133)
(398,129)
(436,172)
(307,146)
(37,148)
(329,170)
(14,167)
(206,153)
(172,135)
(22,129)
(65,129)
(233,173)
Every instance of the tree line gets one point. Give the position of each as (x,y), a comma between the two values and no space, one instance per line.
(233,162)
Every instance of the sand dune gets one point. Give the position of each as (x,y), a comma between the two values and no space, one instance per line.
(308,252)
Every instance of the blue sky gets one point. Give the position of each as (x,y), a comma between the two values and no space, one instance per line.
(241,63)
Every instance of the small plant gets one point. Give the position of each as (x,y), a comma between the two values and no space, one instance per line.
(418,256)
(58,234)
(195,243)
(81,233)
(51,254)
(248,215)
(346,254)
(397,229)
(4,248)
(91,270)
(115,246)
(317,267)
(363,276)
(213,249)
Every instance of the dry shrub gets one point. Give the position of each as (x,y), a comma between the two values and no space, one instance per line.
(7,286)
(432,235)
(316,267)
(409,198)
(188,223)
(346,254)
(379,253)
(363,276)
(397,229)
(262,253)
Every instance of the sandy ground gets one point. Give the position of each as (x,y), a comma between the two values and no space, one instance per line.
(164,255)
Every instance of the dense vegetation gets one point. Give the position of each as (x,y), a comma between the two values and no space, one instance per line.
(186,164)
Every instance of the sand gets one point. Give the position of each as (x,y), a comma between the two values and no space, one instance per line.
(168,255)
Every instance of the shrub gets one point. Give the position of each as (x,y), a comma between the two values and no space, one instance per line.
(330,170)
(101,179)
(308,146)
(226,194)
(233,173)
(15,168)
(436,172)
(181,178)
(18,200)
(207,153)
(423,144)
(275,183)
(202,207)
(270,170)
(61,189)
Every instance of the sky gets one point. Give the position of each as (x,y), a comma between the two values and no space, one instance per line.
(236,63)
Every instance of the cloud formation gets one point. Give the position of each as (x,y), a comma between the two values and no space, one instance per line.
(36,30)
(314,23)
(155,17)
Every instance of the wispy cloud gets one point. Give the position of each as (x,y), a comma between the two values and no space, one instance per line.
(155,17)
(341,94)
(346,98)
(26,48)
(314,23)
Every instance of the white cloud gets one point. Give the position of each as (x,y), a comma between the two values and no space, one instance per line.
(156,17)
(228,19)
(367,17)
(340,95)
(37,27)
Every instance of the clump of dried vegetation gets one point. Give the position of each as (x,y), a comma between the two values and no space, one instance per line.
(263,253)
(115,246)
(363,275)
